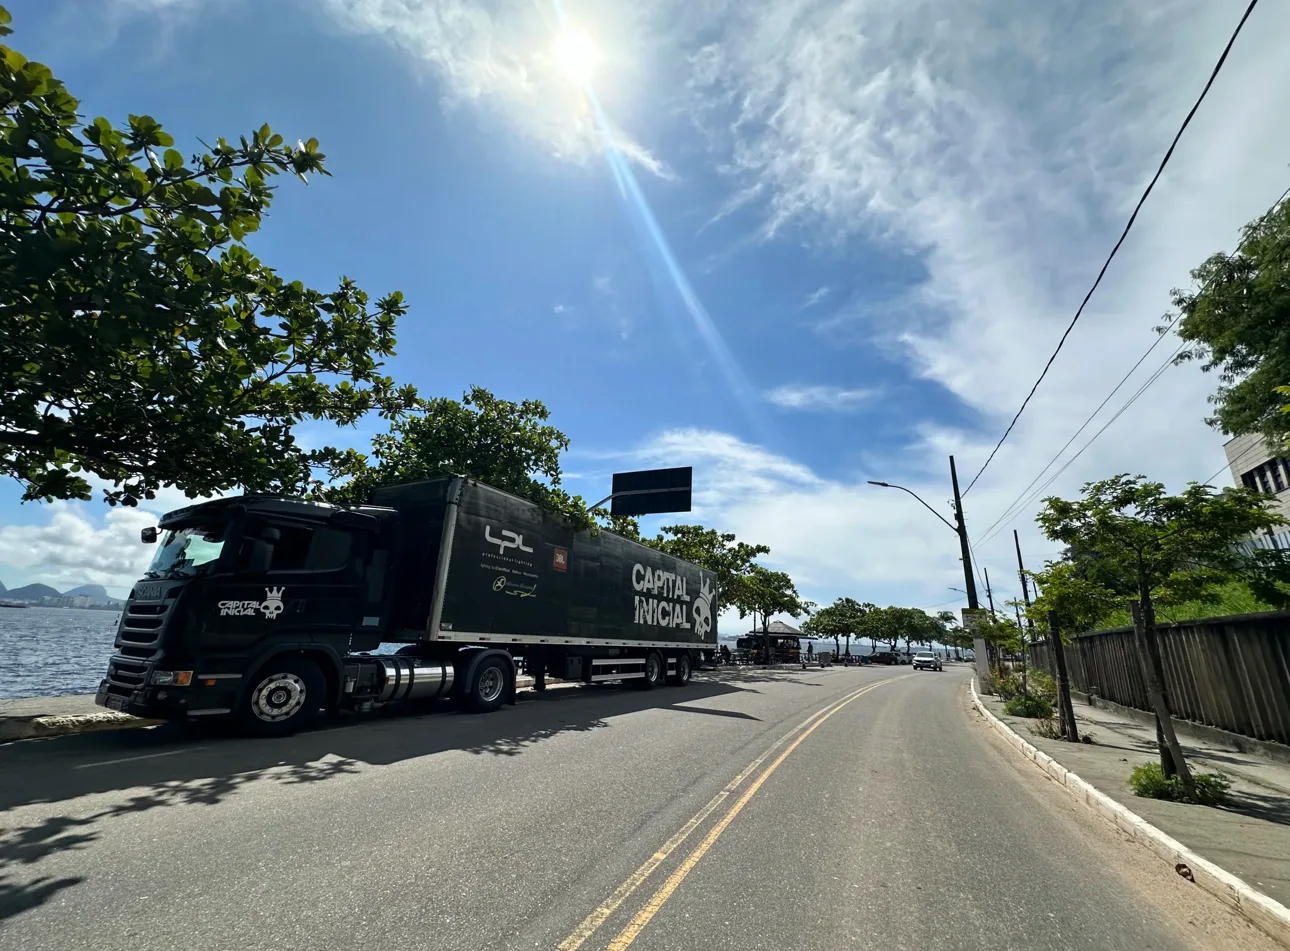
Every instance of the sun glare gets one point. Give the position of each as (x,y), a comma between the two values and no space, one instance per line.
(576,55)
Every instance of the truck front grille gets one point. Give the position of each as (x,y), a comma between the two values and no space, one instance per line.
(126,674)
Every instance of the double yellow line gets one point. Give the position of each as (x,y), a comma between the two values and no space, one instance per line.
(601,914)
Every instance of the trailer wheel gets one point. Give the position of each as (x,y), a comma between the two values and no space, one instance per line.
(684,668)
(488,686)
(285,696)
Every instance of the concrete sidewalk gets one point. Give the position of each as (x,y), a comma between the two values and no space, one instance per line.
(1249,837)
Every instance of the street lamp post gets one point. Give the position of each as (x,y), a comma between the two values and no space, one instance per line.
(959,528)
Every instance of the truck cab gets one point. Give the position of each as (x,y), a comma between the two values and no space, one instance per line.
(236,581)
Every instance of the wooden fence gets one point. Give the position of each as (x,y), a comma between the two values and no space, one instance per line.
(1232,673)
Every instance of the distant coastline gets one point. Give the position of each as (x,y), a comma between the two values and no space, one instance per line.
(68,607)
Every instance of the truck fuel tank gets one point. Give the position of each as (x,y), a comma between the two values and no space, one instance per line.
(413,678)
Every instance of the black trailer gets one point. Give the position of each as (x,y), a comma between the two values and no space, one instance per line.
(269,609)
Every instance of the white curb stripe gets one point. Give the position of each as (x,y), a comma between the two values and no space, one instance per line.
(1264,912)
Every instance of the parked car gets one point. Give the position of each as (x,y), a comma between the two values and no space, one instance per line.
(926,660)
(884,657)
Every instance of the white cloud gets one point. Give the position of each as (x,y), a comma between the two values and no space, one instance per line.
(1003,144)
(70,549)
(831,399)
(840,536)
(816,296)
(502,55)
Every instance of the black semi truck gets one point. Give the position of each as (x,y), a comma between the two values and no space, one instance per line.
(270,609)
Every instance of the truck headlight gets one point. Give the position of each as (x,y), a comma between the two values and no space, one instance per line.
(172,678)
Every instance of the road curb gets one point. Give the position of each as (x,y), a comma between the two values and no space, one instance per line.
(1265,913)
(30,728)
(41,727)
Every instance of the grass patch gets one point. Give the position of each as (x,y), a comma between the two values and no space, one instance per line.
(1233,598)
(1150,782)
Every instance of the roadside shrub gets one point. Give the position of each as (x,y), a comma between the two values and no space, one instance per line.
(1022,705)
(1149,781)
(1008,685)
(1048,728)
(1041,685)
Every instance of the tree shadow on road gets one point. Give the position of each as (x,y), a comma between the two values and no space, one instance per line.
(170,765)
(1254,805)
(17,897)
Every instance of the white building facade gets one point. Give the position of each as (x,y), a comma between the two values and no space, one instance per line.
(1265,468)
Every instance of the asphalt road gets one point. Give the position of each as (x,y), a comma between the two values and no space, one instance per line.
(815,810)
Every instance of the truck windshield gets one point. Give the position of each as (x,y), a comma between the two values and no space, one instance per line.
(185,552)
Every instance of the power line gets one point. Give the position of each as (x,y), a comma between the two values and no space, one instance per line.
(1123,235)
(1118,413)
(1010,512)
(1083,426)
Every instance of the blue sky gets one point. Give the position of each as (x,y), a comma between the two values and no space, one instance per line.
(886,213)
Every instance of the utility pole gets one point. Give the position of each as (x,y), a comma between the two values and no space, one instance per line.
(1025,582)
(979,648)
(1025,594)
(961,527)
(1021,632)
(988,593)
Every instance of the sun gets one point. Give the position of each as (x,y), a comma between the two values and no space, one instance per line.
(576,55)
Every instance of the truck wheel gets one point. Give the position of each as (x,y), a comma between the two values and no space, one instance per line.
(285,696)
(487,688)
(655,671)
(683,670)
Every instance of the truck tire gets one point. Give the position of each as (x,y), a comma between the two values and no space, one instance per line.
(684,668)
(488,685)
(655,671)
(285,696)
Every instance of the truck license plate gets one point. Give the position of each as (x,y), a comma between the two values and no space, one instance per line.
(115,703)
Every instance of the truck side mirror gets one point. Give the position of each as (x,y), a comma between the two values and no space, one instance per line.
(148,535)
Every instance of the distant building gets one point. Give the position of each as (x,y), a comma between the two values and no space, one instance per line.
(1257,465)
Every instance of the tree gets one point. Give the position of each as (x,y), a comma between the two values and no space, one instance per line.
(719,552)
(844,618)
(505,444)
(952,633)
(1077,602)
(1238,322)
(764,593)
(892,624)
(143,343)
(1180,547)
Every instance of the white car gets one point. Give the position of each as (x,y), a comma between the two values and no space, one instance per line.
(926,660)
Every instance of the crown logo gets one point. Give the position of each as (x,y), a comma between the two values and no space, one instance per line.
(274,594)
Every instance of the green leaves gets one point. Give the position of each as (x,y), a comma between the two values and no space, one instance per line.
(1237,322)
(144,346)
(505,444)
(1127,538)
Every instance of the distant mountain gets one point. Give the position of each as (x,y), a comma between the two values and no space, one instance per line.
(88,590)
(32,592)
(3,589)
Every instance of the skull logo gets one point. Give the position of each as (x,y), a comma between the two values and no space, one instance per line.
(703,609)
(272,605)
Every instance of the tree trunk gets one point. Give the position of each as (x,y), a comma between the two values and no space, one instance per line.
(848,645)
(1144,629)
(837,646)
(1065,709)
